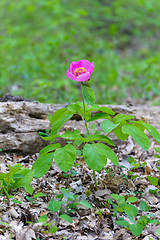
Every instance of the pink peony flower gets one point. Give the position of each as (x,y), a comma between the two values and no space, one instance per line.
(80,71)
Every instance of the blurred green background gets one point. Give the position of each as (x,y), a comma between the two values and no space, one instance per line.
(40,38)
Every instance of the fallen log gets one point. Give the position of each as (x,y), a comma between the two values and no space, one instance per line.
(21,122)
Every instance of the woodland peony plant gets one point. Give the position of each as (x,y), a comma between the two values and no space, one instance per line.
(94,147)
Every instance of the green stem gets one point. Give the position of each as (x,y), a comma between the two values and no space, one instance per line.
(84,117)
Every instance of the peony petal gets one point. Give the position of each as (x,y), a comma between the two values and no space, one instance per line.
(87,65)
(80,64)
(74,65)
(70,75)
(83,77)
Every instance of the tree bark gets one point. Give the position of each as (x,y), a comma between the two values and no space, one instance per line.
(20,123)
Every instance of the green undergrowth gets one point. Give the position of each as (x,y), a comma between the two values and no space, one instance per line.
(40,38)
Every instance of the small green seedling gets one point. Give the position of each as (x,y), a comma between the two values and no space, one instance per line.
(17,177)
(138,223)
(33,199)
(63,204)
(5,226)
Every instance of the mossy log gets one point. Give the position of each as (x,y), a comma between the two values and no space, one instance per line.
(21,122)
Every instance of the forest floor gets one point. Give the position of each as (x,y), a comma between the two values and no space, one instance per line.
(19,219)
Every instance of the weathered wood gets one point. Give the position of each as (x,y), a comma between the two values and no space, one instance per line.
(20,123)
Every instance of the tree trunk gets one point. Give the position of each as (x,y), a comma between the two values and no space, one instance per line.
(20,123)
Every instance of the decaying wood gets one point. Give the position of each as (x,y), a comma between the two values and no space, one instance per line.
(20,123)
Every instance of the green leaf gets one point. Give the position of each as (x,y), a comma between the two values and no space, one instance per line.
(101,138)
(153,191)
(95,107)
(49,148)
(107,126)
(28,189)
(53,229)
(16,201)
(138,124)
(42,134)
(136,229)
(137,134)
(59,123)
(157,149)
(85,203)
(66,217)
(119,134)
(81,105)
(144,220)
(17,176)
(104,109)
(54,206)
(132,199)
(39,194)
(57,115)
(88,115)
(109,201)
(131,160)
(131,210)
(111,155)
(120,199)
(14,169)
(25,181)
(158,231)
(95,156)
(120,118)
(3,176)
(65,157)
(152,221)
(51,138)
(122,223)
(115,196)
(42,218)
(69,195)
(154,133)
(89,95)
(153,180)
(99,116)
(75,135)
(144,206)
(4,223)
(157,156)
(107,110)
(42,164)
(74,108)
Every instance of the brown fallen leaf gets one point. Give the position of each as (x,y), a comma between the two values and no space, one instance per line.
(26,234)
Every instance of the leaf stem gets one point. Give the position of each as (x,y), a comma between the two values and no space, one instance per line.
(84,109)
(84,117)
